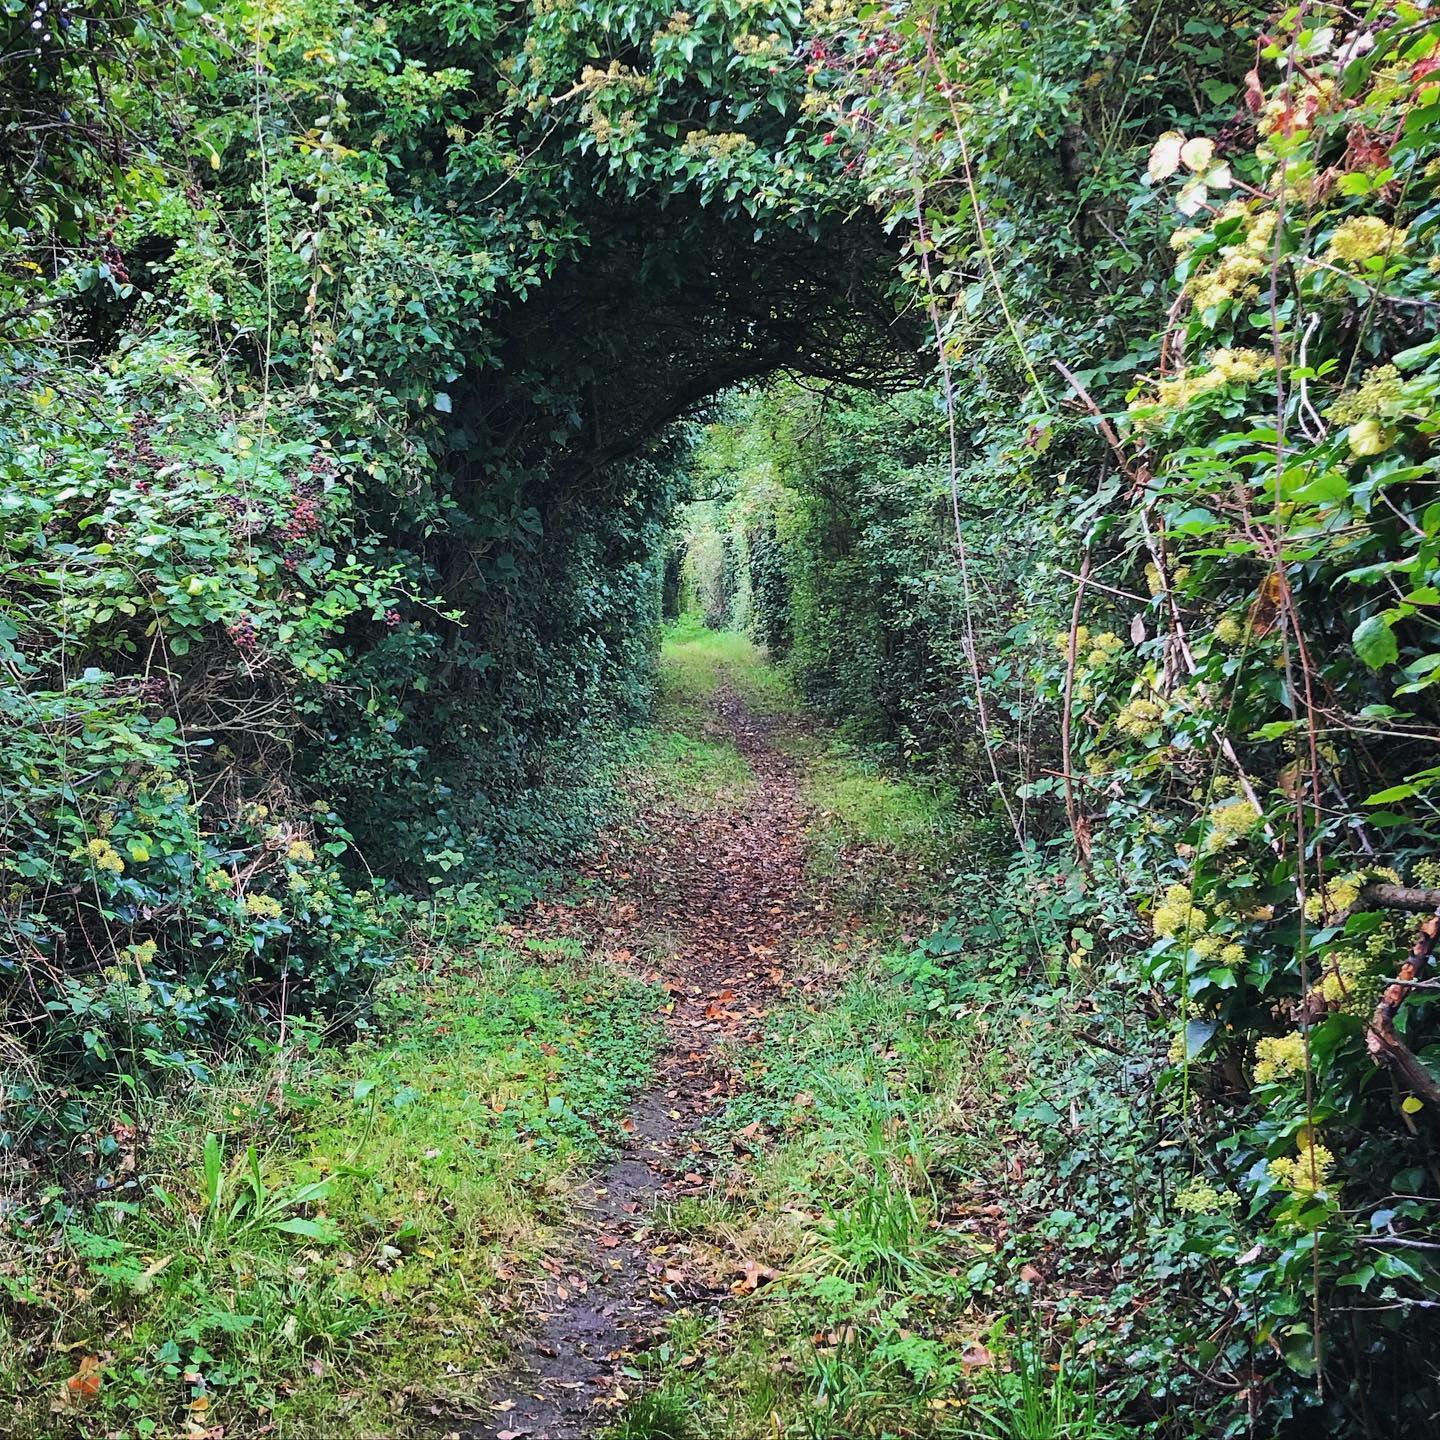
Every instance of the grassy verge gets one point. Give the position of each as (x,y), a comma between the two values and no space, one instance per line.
(696,662)
(331,1244)
(685,759)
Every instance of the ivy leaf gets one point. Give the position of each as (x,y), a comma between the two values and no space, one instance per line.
(1198,1034)
(1197,154)
(442,402)
(1375,642)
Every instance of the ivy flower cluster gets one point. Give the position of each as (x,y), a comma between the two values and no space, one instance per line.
(719,146)
(1362,237)
(1278,1056)
(1307,1171)
(759,47)
(1172,395)
(1095,650)
(1229,823)
(1140,718)
(1340,895)
(1199,1197)
(104,856)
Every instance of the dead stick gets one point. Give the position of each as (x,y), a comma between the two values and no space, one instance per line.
(1385,1046)
(1072,810)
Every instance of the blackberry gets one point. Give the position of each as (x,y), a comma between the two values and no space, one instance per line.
(242,632)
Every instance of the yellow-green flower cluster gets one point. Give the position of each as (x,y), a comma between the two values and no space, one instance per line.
(1177,914)
(217,880)
(829,12)
(1103,649)
(1095,651)
(1216,947)
(1373,397)
(1337,897)
(104,856)
(1199,1197)
(758,47)
(1239,267)
(1345,979)
(1240,366)
(1309,1169)
(616,76)
(1277,1056)
(1229,630)
(719,146)
(263,907)
(608,130)
(1363,237)
(301,852)
(1226,366)
(677,25)
(1229,823)
(1140,717)
(1365,409)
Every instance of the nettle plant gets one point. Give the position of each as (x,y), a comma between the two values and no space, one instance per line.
(1279,495)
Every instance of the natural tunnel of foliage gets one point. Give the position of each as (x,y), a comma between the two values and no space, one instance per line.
(339,367)
(1053,393)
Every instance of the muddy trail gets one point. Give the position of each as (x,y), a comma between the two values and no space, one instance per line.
(710,906)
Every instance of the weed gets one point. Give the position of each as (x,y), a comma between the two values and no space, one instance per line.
(1033,1399)
(664,1414)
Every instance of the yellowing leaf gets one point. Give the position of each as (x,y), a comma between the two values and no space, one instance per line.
(1411,1106)
(1165,155)
(1197,154)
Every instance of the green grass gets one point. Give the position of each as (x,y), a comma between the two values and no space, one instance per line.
(688,772)
(880,840)
(695,663)
(667,1414)
(851,1108)
(337,1236)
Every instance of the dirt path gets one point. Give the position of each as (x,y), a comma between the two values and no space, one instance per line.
(716,901)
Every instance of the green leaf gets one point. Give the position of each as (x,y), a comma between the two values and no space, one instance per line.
(1375,642)
(1198,1034)
(323,1232)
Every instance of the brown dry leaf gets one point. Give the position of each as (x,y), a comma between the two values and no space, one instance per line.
(82,1387)
(752,1277)
(1265,610)
(976,1357)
